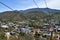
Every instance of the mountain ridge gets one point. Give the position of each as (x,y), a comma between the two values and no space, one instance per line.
(37,9)
(49,10)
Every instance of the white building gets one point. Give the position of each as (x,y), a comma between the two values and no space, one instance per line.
(25,30)
(4,26)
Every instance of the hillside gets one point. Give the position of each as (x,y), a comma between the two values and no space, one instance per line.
(32,14)
(11,15)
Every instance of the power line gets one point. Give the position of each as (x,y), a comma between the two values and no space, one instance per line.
(6,6)
(46,3)
(48,12)
(36,3)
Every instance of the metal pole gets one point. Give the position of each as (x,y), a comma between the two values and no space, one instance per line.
(51,35)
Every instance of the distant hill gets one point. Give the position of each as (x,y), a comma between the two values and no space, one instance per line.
(33,14)
(47,10)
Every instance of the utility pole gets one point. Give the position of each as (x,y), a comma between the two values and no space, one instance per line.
(51,35)
(51,30)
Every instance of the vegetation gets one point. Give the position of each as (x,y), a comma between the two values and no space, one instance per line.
(39,18)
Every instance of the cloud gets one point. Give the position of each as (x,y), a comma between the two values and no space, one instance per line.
(54,4)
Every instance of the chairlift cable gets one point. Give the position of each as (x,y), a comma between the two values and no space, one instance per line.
(46,3)
(35,3)
(6,6)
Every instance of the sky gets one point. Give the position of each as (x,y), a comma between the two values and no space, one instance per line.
(27,4)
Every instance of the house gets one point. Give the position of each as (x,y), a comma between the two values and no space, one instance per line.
(49,34)
(25,30)
(44,28)
(10,24)
(4,26)
(12,33)
(58,29)
(46,24)
(27,27)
